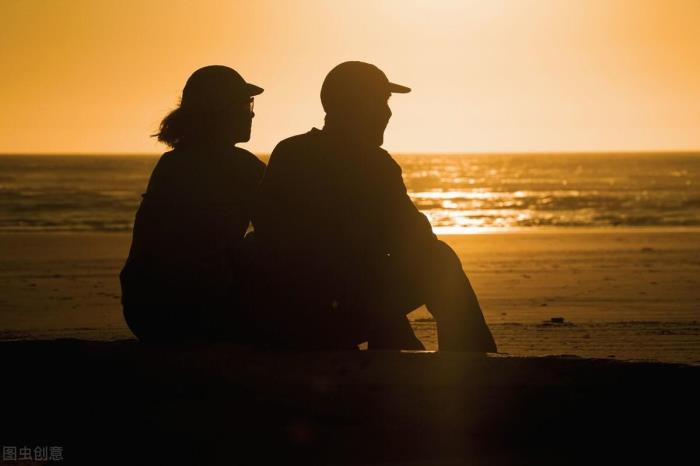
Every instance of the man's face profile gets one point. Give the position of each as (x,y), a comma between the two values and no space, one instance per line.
(368,116)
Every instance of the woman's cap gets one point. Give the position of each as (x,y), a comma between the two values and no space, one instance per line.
(215,85)
(356,77)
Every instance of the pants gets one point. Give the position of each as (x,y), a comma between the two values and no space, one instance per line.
(375,304)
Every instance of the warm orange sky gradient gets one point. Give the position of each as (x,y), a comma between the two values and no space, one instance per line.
(487,76)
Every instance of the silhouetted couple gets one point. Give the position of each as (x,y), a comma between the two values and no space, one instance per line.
(339,254)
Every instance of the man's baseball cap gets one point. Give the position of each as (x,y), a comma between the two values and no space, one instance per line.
(216,85)
(355,77)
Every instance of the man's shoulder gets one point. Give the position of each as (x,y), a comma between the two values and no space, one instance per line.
(299,141)
(297,150)
(387,161)
(249,159)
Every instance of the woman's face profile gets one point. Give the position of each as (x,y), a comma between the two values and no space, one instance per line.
(242,120)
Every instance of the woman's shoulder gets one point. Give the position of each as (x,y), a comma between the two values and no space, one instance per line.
(168,163)
(166,157)
(161,170)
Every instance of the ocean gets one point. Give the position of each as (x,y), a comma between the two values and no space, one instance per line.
(459,193)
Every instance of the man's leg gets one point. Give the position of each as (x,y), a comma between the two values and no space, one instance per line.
(394,333)
(390,289)
(435,278)
(452,301)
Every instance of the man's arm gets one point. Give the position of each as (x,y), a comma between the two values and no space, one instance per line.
(408,229)
(280,211)
(267,209)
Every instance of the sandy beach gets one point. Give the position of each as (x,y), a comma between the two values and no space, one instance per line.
(627,293)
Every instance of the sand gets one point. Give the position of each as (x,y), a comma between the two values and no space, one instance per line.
(131,403)
(631,294)
(628,294)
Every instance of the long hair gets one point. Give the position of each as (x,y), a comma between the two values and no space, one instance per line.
(189,125)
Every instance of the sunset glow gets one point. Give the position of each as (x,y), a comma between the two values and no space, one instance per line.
(520,75)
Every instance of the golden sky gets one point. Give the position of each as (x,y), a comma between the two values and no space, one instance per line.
(487,76)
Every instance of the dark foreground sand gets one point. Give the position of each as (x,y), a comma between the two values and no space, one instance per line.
(127,403)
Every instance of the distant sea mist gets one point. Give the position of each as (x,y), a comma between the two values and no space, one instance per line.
(458,193)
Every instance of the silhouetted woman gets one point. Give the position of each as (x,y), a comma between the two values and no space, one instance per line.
(185,275)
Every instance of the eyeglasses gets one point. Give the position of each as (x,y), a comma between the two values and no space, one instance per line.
(241,105)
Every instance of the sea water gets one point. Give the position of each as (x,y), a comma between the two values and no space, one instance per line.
(458,193)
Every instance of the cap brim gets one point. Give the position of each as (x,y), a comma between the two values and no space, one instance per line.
(252,89)
(398,88)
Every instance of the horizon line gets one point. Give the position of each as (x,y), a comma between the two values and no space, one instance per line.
(400,153)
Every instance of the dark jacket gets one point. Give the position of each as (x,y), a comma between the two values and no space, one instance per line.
(192,219)
(329,211)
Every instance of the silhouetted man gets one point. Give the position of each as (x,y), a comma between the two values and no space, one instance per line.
(346,254)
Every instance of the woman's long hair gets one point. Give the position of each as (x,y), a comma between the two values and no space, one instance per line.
(192,125)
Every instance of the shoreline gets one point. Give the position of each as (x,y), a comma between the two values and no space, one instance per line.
(439,231)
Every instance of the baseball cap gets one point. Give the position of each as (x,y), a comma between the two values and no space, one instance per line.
(216,84)
(351,77)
